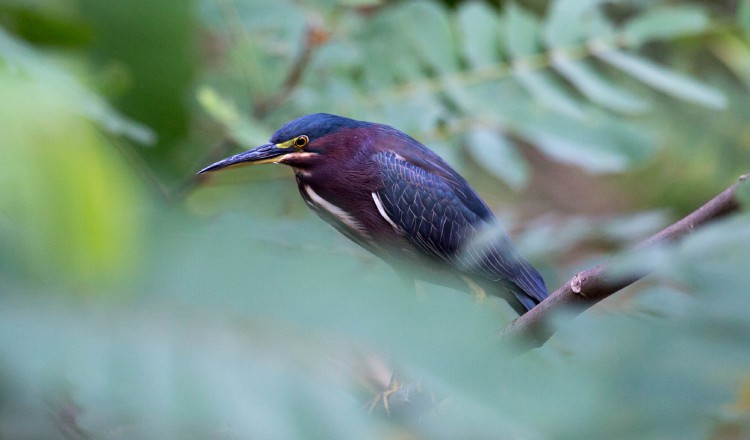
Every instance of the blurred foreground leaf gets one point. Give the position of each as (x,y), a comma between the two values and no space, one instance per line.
(18,58)
(269,329)
(69,209)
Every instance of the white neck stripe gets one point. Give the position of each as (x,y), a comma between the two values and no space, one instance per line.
(334,210)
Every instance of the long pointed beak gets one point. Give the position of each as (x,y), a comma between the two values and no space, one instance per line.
(266,153)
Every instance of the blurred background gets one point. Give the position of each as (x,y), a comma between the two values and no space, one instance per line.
(137,301)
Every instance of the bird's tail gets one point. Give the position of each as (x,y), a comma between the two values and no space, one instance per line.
(528,286)
(492,256)
(528,302)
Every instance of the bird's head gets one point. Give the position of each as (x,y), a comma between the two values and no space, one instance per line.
(299,143)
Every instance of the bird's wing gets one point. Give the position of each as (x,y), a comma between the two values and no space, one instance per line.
(426,159)
(433,216)
(423,207)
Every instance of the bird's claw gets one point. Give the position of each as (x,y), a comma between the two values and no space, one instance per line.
(476,290)
(393,387)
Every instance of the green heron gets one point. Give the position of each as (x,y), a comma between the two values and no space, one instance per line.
(401,201)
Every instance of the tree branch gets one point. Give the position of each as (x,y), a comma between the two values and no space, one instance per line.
(593,285)
(315,36)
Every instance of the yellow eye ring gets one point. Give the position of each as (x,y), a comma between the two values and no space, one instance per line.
(301,141)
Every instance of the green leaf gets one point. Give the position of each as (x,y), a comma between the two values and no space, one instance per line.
(71,209)
(559,30)
(665,23)
(19,57)
(545,89)
(419,114)
(599,145)
(567,149)
(521,32)
(380,41)
(596,88)
(666,80)
(713,261)
(360,3)
(259,71)
(243,129)
(735,54)
(743,192)
(256,20)
(522,40)
(428,31)
(743,15)
(478,27)
(600,29)
(496,154)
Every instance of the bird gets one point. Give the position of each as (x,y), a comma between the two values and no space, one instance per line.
(401,201)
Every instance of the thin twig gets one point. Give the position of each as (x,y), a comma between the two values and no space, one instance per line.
(315,36)
(592,285)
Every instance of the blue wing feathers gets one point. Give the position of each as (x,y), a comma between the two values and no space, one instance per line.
(438,219)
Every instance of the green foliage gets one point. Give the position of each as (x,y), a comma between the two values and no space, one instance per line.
(207,353)
(70,206)
(426,68)
(152,43)
(265,323)
(20,59)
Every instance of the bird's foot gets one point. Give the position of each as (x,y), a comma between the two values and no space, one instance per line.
(476,290)
(393,387)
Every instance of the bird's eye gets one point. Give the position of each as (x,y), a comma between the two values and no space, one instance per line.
(301,141)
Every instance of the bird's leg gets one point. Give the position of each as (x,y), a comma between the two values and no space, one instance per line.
(476,290)
(393,387)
